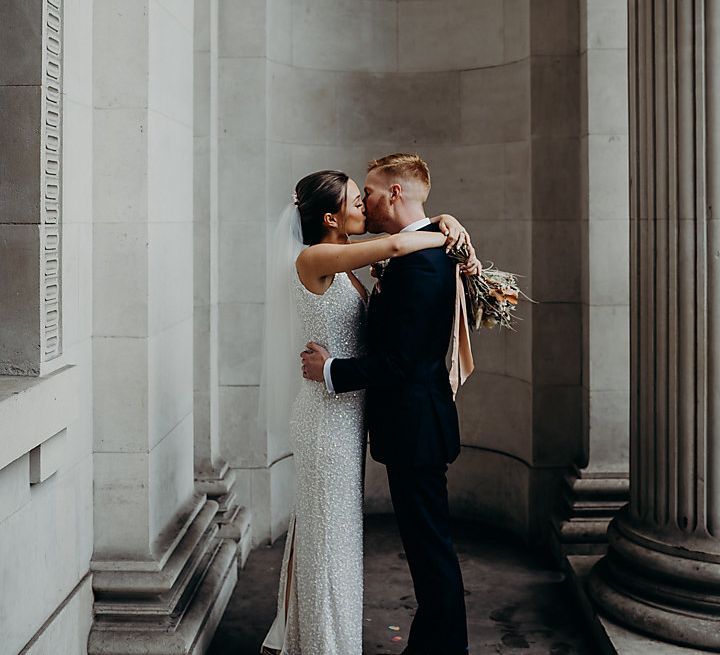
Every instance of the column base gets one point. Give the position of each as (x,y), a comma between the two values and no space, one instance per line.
(234,521)
(665,591)
(589,503)
(607,636)
(174,610)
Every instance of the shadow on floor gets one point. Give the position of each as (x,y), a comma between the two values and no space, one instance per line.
(516,603)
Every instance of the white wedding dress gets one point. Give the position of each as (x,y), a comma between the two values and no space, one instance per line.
(320,599)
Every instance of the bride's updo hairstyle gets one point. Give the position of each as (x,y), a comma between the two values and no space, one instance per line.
(318,194)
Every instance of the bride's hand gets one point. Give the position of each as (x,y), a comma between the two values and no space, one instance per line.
(472,266)
(456,235)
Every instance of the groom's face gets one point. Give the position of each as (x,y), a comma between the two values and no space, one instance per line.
(378,210)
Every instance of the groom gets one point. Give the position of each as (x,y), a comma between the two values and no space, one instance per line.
(411,415)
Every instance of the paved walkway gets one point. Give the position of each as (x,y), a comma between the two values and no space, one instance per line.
(517,603)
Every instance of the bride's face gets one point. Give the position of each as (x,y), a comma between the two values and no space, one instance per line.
(353,218)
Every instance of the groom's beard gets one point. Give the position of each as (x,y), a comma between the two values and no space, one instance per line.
(376,224)
(372,226)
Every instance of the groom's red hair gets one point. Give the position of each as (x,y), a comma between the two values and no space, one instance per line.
(403,165)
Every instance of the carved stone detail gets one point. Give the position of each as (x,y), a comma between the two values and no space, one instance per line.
(173,606)
(589,503)
(234,521)
(51,182)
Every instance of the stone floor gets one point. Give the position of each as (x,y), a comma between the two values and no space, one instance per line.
(516,601)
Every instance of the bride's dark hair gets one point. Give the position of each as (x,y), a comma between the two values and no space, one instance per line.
(318,194)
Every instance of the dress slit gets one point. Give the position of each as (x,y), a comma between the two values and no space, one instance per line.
(276,640)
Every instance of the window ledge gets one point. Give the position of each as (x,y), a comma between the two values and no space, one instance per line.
(32,410)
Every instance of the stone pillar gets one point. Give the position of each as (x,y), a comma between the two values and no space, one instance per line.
(598,485)
(161,575)
(213,475)
(662,572)
(252,38)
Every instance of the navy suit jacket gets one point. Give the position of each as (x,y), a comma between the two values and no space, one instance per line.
(411,414)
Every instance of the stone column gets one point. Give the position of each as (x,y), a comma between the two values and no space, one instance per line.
(161,576)
(213,475)
(662,573)
(598,485)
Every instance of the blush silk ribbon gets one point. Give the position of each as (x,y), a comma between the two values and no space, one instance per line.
(462,364)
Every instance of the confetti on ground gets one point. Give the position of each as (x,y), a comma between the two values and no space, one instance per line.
(395,628)
(396,638)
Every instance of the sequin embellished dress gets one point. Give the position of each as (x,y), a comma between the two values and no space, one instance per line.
(321,582)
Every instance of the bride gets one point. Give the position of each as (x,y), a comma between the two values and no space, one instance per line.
(313,295)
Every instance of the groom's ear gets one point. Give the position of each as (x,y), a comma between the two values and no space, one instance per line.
(395,192)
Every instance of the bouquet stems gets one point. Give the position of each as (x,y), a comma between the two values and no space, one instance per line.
(492,295)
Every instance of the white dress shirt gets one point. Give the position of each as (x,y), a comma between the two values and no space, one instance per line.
(413,227)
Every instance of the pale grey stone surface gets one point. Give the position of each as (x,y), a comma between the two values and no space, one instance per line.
(46,534)
(125,26)
(243,443)
(67,631)
(374,109)
(242,246)
(504,418)
(119,309)
(20,144)
(233,105)
(241,97)
(60,554)
(19,267)
(607,114)
(461,175)
(496,103)
(660,574)
(526,612)
(303,105)
(455,35)
(555,27)
(241,339)
(120,190)
(21,42)
(170,91)
(516,29)
(345,35)
(242,31)
(242,195)
(605,210)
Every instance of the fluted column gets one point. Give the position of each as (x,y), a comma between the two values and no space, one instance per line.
(662,573)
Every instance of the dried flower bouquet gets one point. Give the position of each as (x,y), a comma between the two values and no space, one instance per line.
(491,295)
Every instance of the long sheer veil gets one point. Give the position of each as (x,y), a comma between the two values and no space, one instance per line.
(283,342)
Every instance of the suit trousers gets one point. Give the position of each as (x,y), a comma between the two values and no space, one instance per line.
(420,500)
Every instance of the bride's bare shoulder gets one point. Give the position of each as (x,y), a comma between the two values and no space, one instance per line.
(317,249)
(307,259)
(306,255)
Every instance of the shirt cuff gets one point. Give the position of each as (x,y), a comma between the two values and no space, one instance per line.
(326,375)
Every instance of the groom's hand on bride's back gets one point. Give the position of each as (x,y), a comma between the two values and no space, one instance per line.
(313,361)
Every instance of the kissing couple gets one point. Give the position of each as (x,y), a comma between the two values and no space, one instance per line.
(370,363)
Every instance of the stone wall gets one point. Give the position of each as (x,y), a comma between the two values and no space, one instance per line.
(46,465)
(604,145)
(143,250)
(488,93)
